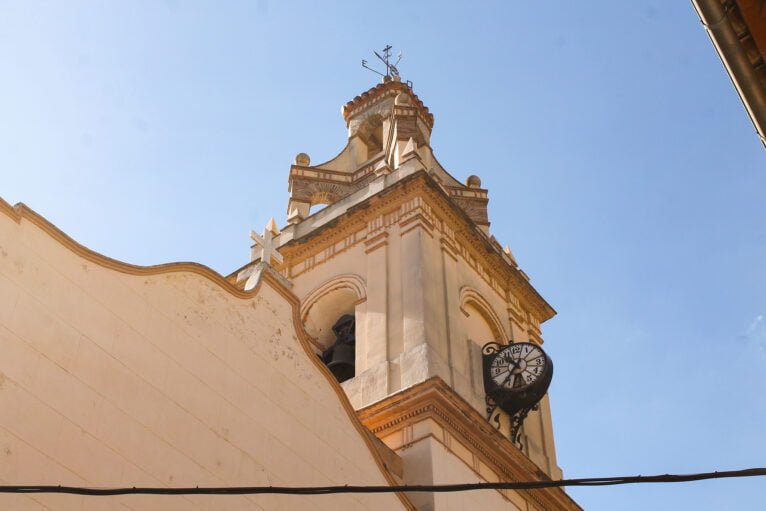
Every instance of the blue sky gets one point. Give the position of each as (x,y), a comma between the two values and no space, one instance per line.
(622,169)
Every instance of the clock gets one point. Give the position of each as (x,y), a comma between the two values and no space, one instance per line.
(516,376)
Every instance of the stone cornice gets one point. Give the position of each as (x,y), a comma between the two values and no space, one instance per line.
(382,90)
(435,400)
(470,242)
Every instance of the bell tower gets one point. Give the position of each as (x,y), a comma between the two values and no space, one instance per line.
(382,237)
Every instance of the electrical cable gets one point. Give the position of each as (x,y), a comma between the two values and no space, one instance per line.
(439,488)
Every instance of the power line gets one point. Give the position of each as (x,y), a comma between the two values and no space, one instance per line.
(439,488)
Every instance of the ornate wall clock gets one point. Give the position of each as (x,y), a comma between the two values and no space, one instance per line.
(516,377)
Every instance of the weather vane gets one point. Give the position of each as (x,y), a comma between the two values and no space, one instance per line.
(391,70)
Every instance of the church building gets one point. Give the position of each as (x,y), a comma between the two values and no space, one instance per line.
(381,336)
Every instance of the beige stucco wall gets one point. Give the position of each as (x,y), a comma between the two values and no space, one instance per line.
(435,464)
(415,321)
(128,377)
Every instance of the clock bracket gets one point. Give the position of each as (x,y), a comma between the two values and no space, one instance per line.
(515,402)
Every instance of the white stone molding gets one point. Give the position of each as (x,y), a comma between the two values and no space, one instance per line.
(346,281)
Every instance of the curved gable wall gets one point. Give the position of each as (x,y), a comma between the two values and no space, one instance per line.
(117,375)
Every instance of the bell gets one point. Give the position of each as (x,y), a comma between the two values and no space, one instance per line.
(340,357)
(340,360)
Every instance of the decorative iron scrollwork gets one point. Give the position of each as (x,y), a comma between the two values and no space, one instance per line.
(492,416)
(491,348)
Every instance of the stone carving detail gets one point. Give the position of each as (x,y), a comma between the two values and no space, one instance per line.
(476,209)
(323,190)
(314,191)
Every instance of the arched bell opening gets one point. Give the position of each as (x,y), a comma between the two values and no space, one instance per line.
(321,199)
(371,133)
(329,316)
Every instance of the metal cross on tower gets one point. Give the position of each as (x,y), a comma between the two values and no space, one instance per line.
(391,69)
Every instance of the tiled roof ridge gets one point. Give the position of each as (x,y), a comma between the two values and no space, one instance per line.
(384,88)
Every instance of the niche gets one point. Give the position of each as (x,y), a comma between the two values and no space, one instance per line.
(329,316)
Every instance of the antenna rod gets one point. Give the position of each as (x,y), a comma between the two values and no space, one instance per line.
(364,65)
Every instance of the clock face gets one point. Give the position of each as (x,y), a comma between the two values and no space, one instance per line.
(518,365)
(516,375)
